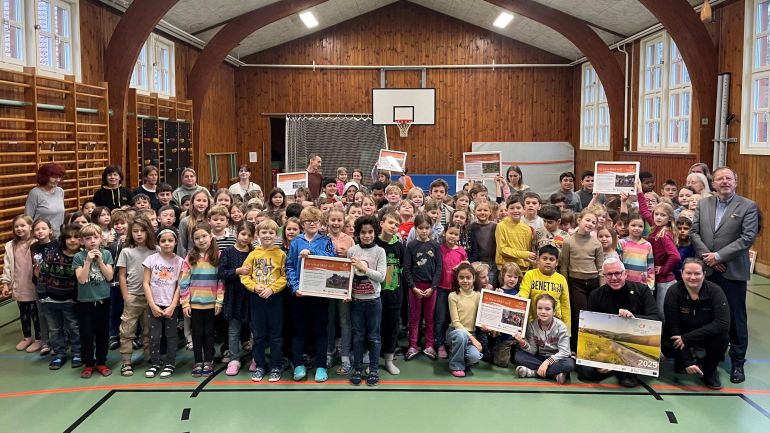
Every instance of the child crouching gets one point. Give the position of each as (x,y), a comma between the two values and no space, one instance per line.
(464,348)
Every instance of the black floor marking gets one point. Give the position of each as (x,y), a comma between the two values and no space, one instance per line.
(8,323)
(650,390)
(203,384)
(186,414)
(671,417)
(758,294)
(90,412)
(754,404)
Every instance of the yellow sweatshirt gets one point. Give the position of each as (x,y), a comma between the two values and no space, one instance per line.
(514,243)
(534,283)
(268,268)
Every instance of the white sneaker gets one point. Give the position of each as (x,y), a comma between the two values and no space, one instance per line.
(523,371)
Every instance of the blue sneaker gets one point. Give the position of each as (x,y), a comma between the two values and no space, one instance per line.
(300,372)
(77,361)
(321,375)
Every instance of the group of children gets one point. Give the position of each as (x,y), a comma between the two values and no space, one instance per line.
(233,265)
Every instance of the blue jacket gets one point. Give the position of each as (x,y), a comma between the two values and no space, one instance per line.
(321,245)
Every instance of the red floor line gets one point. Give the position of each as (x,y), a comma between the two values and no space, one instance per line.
(97,388)
(433,383)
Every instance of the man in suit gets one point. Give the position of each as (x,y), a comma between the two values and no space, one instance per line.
(724,229)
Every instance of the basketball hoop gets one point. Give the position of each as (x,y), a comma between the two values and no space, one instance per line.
(403,127)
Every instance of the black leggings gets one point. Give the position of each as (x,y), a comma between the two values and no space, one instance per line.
(202,326)
(389,329)
(94,324)
(28,317)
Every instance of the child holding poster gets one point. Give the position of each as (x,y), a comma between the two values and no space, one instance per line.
(546,351)
(510,279)
(464,348)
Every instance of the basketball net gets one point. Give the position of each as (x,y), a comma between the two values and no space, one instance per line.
(403,127)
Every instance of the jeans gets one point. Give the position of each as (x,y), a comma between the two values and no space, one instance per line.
(266,325)
(428,307)
(311,316)
(62,321)
(462,352)
(160,326)
(366,316)
(441,315)
(234,338)
(660,296)
(135,310)
(533,362)
(735,291)
(94,322)
(202,329)
(339,310)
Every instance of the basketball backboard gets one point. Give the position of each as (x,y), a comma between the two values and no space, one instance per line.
(392,105)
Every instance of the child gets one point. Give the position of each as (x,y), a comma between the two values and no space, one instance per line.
(141,245)
(683,198)
(223,197)
(219,220)
(120,220)
(338,309)
(479,193)
(531,208)
(481,236)
(329,192)
(43,234)
(664,251)
(545,279)
(368,206)
(462,201)
(567,221)
(87,208)
(406,211)
(237,210)
(309,312)
(276,200)
(265,280)
(251,215)
(93,269)
(342,177)
(392,294)
(438,190)
(621,226)
(581,263)
(355,210)
(460,219)
(201,293)
(669,190)
(482,273)
(201,201)
(514,237)
(609,241)
(393,194)
(141,201)
(685,247)
(369,266)
(465,349)
(102,217)
(432,209)
(17,279)
(636,253)
(423,261)
(150,216)
(546,351)
(161,274)
(166,218)
(349,227)
(451,255)
(59,302)
(417,196)
(291,230)
(511,283)
(551,232)
(235,307)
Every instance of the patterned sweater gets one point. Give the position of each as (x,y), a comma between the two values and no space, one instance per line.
(639,261)
(199,286)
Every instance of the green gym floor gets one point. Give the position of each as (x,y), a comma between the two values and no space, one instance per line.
(425,397)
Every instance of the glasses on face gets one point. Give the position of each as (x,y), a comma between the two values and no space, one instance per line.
(609,275)
(243,170)
(312,222)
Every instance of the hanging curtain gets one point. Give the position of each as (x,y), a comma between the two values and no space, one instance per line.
(341,141)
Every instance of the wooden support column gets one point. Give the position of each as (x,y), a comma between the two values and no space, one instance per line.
(591,45)
(126,42)
(700,55)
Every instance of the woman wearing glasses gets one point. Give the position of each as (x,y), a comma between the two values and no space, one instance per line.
(244,185)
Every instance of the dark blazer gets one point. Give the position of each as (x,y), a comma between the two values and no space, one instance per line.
(736,233)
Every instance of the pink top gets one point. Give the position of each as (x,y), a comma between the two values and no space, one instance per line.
(450,258)
(342,244)
(23,287)
(663,247)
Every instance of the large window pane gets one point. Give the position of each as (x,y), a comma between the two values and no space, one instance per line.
(762,19)
(759,127)
(762,51)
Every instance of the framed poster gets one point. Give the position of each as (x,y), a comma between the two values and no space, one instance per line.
(391,160)
(612,177)
(326,277)
(615,343)
(482,165)
(290,182)
(502,313)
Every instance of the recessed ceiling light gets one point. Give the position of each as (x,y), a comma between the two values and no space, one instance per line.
(503,20)
(309,19)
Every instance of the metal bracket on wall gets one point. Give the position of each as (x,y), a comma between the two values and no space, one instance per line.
(423,76)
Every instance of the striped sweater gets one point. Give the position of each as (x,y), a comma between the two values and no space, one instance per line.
(639,261)
(199,286)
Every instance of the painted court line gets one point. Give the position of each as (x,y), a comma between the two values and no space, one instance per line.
(671,417)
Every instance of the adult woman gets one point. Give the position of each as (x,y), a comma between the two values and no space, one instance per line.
(244,185)
(189,186)
(697,315)
(112,194)
(513,182)
(358,178)
(46,200)
(699,184)
(702,168)
(149,184)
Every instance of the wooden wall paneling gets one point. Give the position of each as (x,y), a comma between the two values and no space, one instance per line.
(218,126)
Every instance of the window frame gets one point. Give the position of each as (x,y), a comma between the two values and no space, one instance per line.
(655,98)
(593,110)
(73,23)
(152,50)
(751,74)
(12,24)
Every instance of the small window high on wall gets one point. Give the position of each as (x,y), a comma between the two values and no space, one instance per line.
(594,112)
(755,97)
(665,97)
(43,34)
(154,69)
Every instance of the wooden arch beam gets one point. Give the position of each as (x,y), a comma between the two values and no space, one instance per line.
(700,55)
(591,45)
(224,41)
(124,47)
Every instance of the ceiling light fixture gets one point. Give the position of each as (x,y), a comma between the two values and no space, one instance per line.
(309,19)
(503,20)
